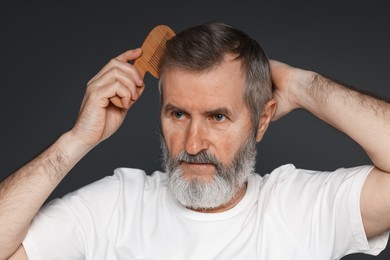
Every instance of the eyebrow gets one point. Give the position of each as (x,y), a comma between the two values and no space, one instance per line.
(221,110)
(169,108)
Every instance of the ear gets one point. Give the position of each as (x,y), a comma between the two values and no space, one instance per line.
(266,117)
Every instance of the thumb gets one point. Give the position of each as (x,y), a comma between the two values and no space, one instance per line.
(129,55)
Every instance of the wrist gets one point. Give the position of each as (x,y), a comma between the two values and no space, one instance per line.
(303,91)
(73,147)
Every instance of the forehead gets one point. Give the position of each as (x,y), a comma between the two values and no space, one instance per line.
(222,84)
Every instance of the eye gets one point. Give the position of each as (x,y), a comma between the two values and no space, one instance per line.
(219,117)
(178,114)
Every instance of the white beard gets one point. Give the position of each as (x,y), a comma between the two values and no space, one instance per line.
(227,180)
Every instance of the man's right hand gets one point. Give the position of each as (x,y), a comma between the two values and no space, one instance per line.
(99,118)
(23,193)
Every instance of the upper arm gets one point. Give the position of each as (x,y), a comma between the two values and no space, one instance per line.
(375,203)
(20,254)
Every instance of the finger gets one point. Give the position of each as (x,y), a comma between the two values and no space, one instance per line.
(118,65)
(107,92)
(121,61)
(114,75)
(117,101)
(123,97)
(129,55)
(140,90)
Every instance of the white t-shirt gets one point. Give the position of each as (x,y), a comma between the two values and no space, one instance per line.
(288,214)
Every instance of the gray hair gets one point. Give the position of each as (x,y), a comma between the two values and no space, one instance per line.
(201,48)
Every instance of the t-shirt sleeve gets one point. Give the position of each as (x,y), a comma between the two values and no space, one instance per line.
(67,228)
(323,209)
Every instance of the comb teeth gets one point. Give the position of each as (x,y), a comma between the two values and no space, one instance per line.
(153,49)
(154,61)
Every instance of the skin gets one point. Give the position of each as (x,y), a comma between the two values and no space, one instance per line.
(201,112)
(339,107)
(24,192)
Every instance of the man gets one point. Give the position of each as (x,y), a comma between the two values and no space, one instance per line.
(216,103)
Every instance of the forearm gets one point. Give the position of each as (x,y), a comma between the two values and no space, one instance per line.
(24,192)
(364,118)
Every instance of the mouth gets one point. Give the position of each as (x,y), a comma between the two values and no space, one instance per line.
(197,168)
(195,164)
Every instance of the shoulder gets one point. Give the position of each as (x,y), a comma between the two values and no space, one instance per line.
(105,192)
(317,207)
(302,189)
(126,176)
(290,174)
(293,185)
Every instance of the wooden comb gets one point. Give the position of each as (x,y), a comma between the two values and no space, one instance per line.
(153,49)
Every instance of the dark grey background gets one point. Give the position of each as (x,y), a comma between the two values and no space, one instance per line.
(49,51)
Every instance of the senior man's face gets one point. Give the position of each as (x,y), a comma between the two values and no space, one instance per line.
(208,140)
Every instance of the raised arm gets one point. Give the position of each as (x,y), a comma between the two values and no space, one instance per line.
(24,192)
(364,118)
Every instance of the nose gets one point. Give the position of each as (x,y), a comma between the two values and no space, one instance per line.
(196,138)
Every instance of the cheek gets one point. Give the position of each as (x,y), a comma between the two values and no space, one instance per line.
(226,146)
(227,143)
(174,137)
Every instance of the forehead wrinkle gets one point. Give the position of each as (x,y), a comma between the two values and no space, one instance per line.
(216,96)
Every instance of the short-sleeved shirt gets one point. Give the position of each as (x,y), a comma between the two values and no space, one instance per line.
(287,214)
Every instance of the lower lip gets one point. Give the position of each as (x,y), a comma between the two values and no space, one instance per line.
(199,166)
(196,164)
(201,170)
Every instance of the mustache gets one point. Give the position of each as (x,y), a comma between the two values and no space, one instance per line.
(201,157)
